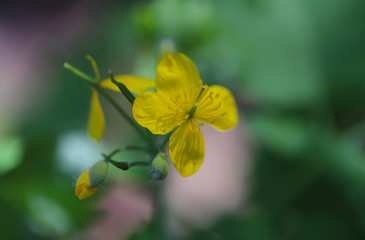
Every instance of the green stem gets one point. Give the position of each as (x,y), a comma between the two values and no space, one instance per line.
(80,74)
(125,165)
(165,140)
(134,124)
(139,163)
(125,148)
(121,165)
(159,214)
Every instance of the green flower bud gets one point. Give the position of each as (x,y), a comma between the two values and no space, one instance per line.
(98,173)
(160,167)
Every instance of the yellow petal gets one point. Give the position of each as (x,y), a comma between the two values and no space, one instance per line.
(216,106)
(83,189)
(176,74)
(158,113)
(134,84)
(96,124)
(186,148)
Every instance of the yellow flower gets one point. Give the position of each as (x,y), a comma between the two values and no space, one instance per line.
(91,179)
(178,101)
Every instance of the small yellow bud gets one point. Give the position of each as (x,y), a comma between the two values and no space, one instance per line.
(160,167)
(91,179)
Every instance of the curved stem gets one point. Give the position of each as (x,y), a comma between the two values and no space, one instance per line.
(125,148)
(125,165)
(139,163)
(165,140)
(121,165)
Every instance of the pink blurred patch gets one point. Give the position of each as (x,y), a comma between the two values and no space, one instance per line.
(126,210)
(28,50)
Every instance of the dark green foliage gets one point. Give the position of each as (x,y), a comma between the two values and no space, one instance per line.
(297,69)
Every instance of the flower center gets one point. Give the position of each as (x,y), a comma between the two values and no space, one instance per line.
(192,110)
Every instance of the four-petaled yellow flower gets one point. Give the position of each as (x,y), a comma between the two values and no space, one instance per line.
(180,100)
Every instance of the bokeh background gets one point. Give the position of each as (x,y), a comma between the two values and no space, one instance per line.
(293,169)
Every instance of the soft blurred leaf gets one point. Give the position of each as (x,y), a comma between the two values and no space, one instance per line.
(282,134)
(11,152)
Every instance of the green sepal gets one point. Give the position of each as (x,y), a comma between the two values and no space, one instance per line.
(160,167)
(130,97)
(98,173)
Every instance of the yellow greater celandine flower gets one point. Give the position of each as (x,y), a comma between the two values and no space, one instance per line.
(91,179)
(180,100)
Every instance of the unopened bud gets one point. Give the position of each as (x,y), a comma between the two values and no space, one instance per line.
(91,179)
(98,173)
(160,167)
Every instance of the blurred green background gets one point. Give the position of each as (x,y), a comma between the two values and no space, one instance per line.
(296,68)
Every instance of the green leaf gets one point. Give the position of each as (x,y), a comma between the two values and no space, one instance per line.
(11,152)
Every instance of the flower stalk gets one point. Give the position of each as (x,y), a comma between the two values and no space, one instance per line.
(126,148)
(80,74)
(125,165)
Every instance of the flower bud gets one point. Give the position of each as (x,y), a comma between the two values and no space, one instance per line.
(160,167)
(91,179)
